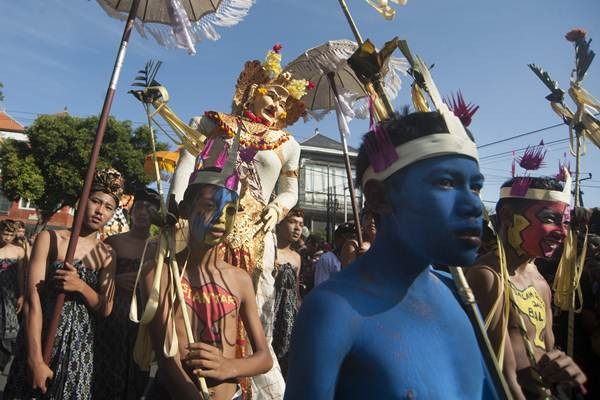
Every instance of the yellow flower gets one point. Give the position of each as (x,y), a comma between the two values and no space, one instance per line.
(262,90)
(297,88)
(283,115)
(273,64)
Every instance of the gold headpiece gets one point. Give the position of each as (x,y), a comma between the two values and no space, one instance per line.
(256,75)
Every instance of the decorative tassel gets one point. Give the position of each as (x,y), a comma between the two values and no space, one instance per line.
(223,156)
(461,109)
(533,158)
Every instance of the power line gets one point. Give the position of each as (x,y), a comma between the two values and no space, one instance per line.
(525,134)
(510,152)
(520,135)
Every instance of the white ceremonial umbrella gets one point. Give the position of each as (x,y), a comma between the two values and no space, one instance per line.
(336,86)
(314,65)
(180,23)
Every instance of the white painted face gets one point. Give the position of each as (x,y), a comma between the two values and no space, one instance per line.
(268,103)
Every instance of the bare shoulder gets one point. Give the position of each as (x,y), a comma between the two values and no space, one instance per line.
(14,250)
(107,253)
(115,239)
(235,273)
(62,234)
(330,306)
(484,274)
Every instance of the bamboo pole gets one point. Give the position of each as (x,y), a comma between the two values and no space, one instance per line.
(87,186)
(468,299)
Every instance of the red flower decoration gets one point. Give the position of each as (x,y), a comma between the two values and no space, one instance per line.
(277,48)
(575,35)
(310,85)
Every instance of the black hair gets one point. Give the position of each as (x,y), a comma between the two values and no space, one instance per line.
(403,129)
(147,194)
(344,229)
(542,182)
(7,225)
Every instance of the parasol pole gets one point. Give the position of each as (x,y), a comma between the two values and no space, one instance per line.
(470,305)
(359,238)
(87,186)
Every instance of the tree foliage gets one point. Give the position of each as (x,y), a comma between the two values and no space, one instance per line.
(49,170)
(1,93)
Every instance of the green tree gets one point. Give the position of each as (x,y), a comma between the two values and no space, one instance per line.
(49,170)
(1,94)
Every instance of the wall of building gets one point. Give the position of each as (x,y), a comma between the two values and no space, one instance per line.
(21,211)
(323,191)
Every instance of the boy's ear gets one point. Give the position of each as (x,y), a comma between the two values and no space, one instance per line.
(375,198)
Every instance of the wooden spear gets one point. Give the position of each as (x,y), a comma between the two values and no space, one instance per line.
(87,186)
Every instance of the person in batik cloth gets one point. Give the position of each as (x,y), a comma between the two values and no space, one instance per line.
(11,289)
(287,293)
(89,287)
(117,376)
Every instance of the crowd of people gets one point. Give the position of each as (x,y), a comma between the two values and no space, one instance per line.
(235,298)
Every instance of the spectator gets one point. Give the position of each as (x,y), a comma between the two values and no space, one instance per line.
(351,250)
(329,263)
(589,330)
(309,256)
(287,265)
(300,245)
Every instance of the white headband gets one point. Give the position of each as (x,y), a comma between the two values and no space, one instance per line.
(542,194)
(455,141)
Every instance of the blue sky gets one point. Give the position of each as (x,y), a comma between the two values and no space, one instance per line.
(57,53)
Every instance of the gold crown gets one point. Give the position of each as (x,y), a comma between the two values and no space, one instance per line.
(257,75)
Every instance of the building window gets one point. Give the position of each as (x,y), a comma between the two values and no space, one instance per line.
(322,181)
(4,203)
(25,204)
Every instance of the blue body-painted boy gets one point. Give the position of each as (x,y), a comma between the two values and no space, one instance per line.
(389,326)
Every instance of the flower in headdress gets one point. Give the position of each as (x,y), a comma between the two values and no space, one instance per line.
(277,48)
(272,64)
(297,88)
(533,158)
(461,109)
(310,85)
(575,35)
(262,90)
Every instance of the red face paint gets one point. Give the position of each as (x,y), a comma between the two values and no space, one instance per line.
(547,228)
